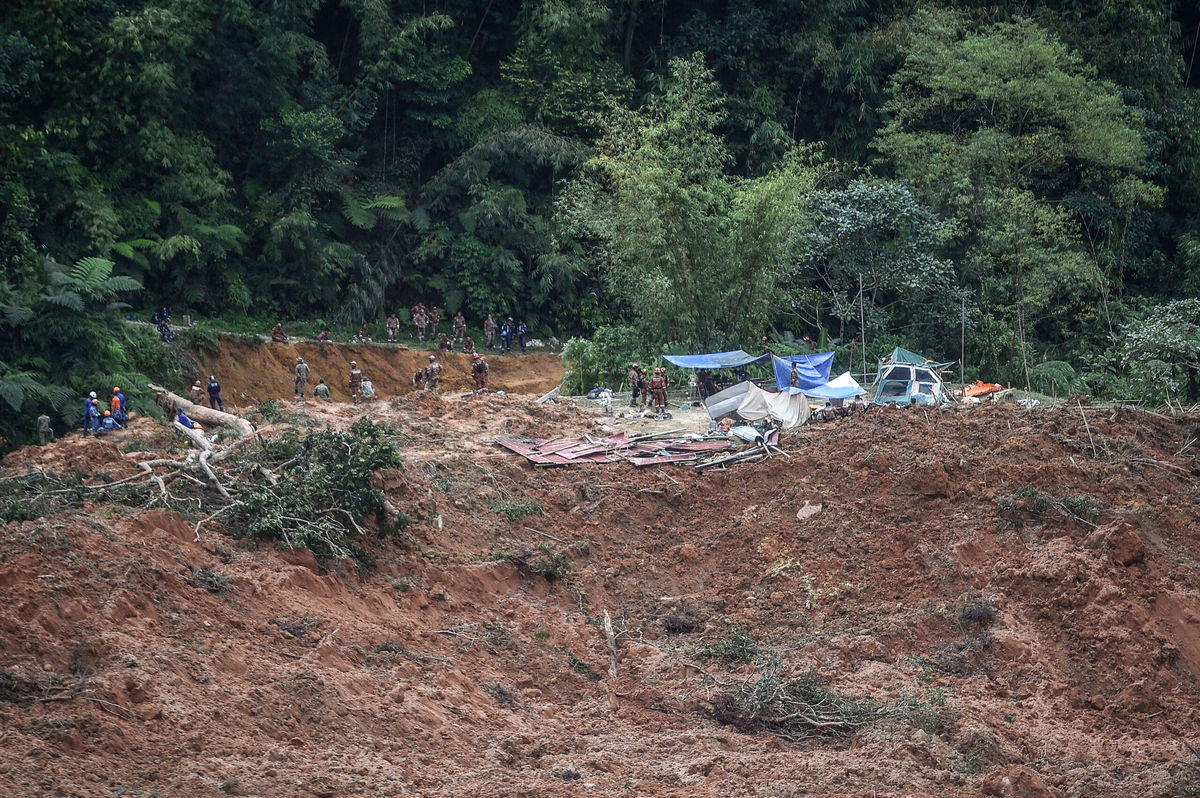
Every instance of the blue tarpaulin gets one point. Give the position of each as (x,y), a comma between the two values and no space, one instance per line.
(718,360)
(813,371)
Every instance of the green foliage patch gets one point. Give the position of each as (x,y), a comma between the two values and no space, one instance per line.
(324,492)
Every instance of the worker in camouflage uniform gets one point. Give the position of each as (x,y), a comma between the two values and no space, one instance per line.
(433,373)
(300,385)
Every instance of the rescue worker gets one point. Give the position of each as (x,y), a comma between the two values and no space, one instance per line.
(393,327)
(44,430)
(468,346)
(522,331)
(479,372)
(196,394)
(420,320)
(433,373)
(187,422)
(117,406)
(636,384)
(460,326)
(489,332)
(107,423)
(658,390)
(355,381)
(795,381)
(858,405)
(506,335)
(446,345)
(323,338)
(300,385)
(277,333)
(364,333)
(91,414)
(322,391)
(214,394)
(435,319)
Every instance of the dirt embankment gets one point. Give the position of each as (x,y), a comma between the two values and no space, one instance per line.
(253,372)
(1028,583)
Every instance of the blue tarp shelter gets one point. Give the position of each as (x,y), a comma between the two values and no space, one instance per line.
(813,371)
(716,360)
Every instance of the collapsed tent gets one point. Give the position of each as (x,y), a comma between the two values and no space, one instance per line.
(716,360)
(749,402)
(908,378)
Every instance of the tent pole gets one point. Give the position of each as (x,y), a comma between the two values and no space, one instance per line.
(862,326)
(962,355)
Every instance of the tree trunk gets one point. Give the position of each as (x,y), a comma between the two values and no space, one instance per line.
(204,415)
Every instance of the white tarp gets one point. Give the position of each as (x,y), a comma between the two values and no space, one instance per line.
(790,410)
(725,403)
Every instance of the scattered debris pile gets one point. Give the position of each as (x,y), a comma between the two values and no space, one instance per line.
(643,450)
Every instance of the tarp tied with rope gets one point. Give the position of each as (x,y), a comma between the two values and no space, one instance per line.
(716,360)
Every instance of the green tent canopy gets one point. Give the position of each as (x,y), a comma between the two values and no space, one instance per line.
(902,355)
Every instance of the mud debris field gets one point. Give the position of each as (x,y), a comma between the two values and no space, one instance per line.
(1007,599)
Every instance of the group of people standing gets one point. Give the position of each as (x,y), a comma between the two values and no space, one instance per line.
(213,390)
(96,421)
(649,387)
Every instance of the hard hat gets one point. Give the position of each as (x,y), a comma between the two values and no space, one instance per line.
(431,357)
(108,412)
(212,377)
(299,360)
(116,389)
(197,382)
(92,394)
(634,366)
(476,356)
(353,362)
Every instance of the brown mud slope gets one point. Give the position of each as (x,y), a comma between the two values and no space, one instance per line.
(1025,588)
(251,373)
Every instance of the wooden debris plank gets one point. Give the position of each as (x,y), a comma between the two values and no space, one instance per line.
(640,462)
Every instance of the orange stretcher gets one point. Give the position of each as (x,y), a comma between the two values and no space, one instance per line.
(981,388)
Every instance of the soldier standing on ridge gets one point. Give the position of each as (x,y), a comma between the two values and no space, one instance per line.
(420,321)
(433,373)
(196,394)
(301,383)
(489,332)
(435,319)
(460,326)
(393,327)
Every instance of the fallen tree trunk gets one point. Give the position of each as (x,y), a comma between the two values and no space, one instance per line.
(205,415)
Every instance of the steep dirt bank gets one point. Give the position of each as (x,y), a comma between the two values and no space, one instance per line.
(252,373)
(1030,581)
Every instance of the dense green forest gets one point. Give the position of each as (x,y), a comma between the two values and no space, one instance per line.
(643,173)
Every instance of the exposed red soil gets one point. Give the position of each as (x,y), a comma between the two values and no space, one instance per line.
(253,372)
(444,672)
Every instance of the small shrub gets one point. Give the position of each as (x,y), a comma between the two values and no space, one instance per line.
(271,412)
(542,561)
(208,578)
(136,445)
(515,510)
(978,611)
(541,634)
(1027,502)
(684,623)
(502,694)
(738,647)
(230,787)
(930,715)
(406,583)
(802,708)
(298,628)
(578,665)
(567,774)
(203,337)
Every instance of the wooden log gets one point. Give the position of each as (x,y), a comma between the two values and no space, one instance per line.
(205,415)
(611,639)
